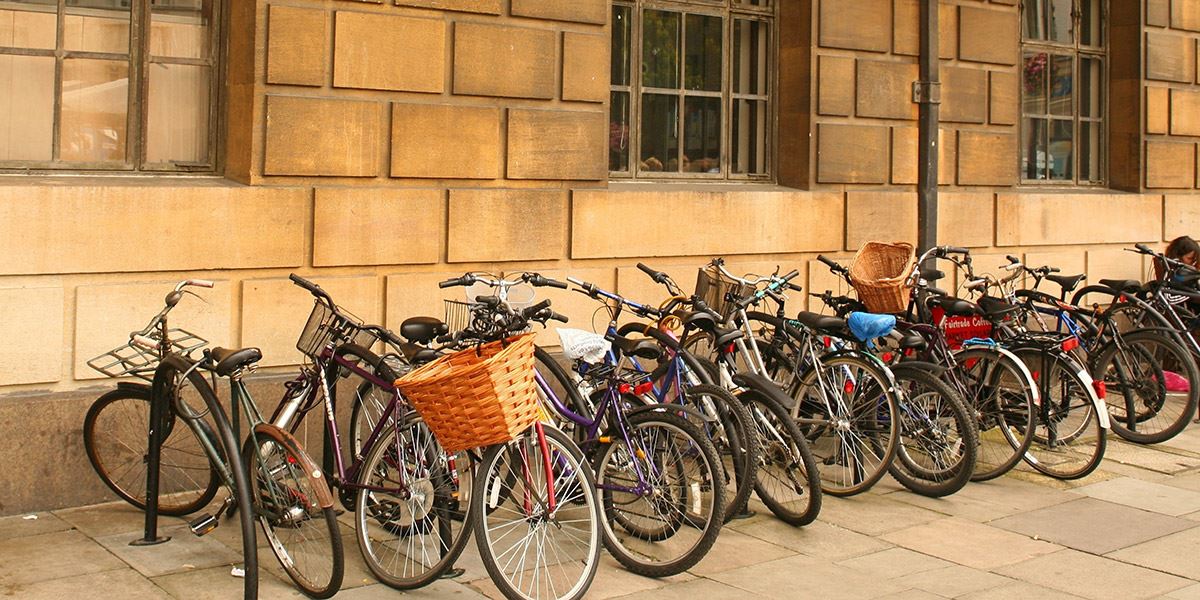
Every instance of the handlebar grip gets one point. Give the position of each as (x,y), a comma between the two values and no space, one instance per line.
(794,287)
(457,281)
(204,283)
(790,276)
(1144,248)
(306,284)
(1012,259)
(957,250)
(536,308)
(143,341)
(554,283)
(829,262)
(1054,270)
(657,276)
(561,318)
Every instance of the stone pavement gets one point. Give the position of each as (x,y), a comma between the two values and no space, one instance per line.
(1130,530)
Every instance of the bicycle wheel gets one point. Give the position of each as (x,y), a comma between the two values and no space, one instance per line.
(411,512)
(1002,398)
(116,438)
(529,549)
(1068,441)
(1151,383)
(662,512)
(289,495)
(784,480)
(732,433)
(938,436)
(846,409)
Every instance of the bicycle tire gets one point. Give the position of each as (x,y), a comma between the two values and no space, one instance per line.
(1068,440)
(286,507)
(434,509)
(642,549)
(944,433)
(366,409)
(1004,419)
(1147,385)
(577,498)
(124,413)
(784,480)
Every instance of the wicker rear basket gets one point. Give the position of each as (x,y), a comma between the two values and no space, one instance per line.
(880,275)
(476,397)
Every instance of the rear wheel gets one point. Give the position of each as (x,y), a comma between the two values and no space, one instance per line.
(1002,396)
(786,481)
(1151,384)
(116,438)
(938,435)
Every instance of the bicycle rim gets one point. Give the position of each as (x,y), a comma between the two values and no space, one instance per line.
(1068,442)
(1001,396)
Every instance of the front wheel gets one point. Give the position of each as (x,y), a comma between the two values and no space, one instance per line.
(534,548)
(1002,395)
(1152,385)
(939,439)
(1068,440)
(294,508)
(787,480)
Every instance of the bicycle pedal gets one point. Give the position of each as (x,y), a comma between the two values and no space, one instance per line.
(203,524)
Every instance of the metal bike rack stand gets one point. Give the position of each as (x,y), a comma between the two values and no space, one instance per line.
(150,535)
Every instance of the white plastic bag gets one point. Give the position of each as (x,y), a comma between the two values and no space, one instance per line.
(579,344)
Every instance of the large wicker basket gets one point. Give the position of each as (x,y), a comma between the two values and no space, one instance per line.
(478,396)
(880,274)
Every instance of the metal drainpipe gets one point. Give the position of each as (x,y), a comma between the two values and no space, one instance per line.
(927,94)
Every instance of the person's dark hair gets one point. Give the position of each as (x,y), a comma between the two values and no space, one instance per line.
(1181,247)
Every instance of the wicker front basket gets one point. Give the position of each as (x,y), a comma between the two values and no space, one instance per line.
(476,397)
(880,275)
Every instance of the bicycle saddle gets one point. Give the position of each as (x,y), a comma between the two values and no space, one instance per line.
(697,319)
(724,336)
(868,326)
(644,348)
(422,330)
(1123,285)
(995,308)
(932,275)
(822,323)
(954,306)
(913,341)
(1067,282)
(417,354)
(229,361)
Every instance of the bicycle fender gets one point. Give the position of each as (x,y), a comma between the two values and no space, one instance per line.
(764,387)
(134,385)
(1090,385)
(870,358)
(671,407)
(1037,395)
(324,495)
(921,365)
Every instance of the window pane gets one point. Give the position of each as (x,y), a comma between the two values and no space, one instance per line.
(702,135)
(29,24)
(1090,145)
(618,133)
(1091,32)
(180,28)
(177,123)
(1034,79)
(1061,149)
(660,134)
(750,137)
(758,3)
(1034,15)
(1091,87)
(27,108)
(704,48)
(621,45)
(1059,21)
(1062,81)
(1033,149)
(97,26)
(660,49)
(95,97)
(751,43)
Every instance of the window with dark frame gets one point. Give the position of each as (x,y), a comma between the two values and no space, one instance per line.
(1063,91)
(692,86)
(109,85)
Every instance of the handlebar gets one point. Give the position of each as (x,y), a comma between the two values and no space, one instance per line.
(312,288)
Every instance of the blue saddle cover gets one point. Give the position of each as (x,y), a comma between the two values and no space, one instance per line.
(868,326)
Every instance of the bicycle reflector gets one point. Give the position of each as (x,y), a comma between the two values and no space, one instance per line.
(643,388)
(1101,389)
(1070,344)
(848,387)
(624,388)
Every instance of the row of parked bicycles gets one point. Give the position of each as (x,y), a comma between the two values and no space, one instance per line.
(646,437)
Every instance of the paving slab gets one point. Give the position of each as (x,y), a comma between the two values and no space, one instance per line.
(1185,481)
(815,578)
(913,594)
(217,583)
(35,558)
(1027,473)
(874,515)
(817,539)
(1175,553)
(184,552)
(437,590)
(112,518)
(1093,525)
(953,581)
(1021,495)
(612,580)
(736,549)
(1093,576)
(969,543)
(958,505)
(23,526)
(1019,590)
(1150,458)
(120,583)
(895,562)
(707,589)
(1191,592)
(1146,495)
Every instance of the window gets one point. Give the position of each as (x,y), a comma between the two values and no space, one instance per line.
(1063,91)
(125,85)
(692,89)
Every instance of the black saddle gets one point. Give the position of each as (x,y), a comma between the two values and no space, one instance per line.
(422,330)
(416,354)
(698,320)
(994,308)
(932,275)
(229,361)
(954,306)
(643,348)
(912,341)
(1068,282)
(1123,285)
(823,323)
